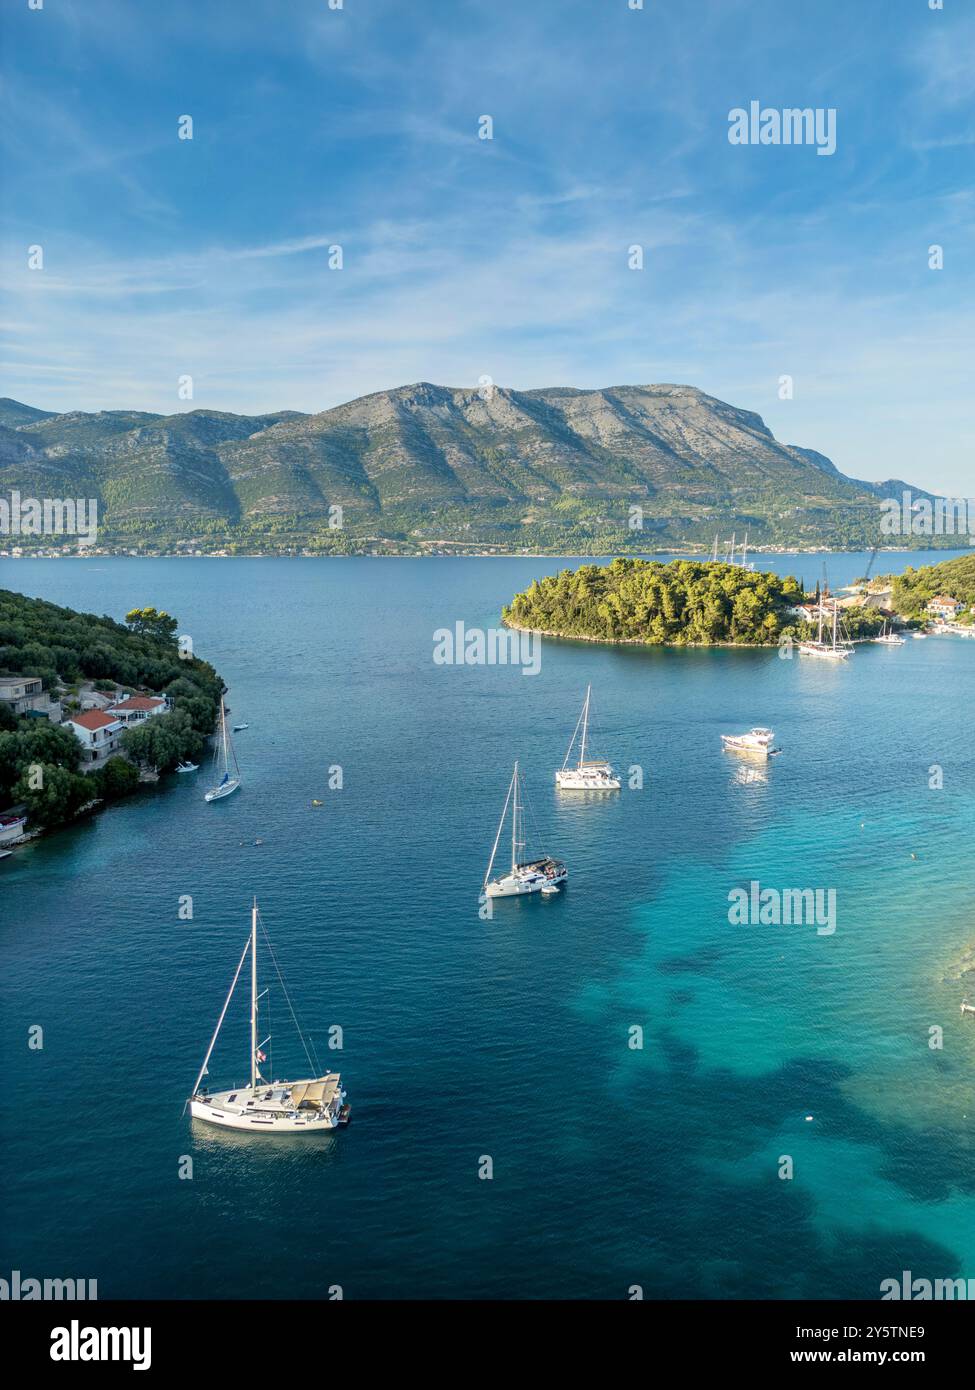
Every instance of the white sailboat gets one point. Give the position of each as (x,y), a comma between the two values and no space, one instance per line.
(311,1105)
(223,756)
(592,775)
(525,876)
(832,650)
(889,638)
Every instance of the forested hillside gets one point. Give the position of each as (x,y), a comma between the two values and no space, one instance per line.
(914,589)
(421,467)
(40,760)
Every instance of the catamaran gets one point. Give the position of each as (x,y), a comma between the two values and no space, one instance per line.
(757,741)
(311,1105)
(592,775)
(888,637)
(223,754)
(525,876)
(832,650)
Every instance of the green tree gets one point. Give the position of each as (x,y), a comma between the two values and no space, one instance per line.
(59,795)
(151,622)
(116,779)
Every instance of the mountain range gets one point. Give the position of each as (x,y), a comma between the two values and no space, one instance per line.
(427,467)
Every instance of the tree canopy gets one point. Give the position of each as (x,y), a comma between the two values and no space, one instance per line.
(40,761)
(685,602)
(915,588)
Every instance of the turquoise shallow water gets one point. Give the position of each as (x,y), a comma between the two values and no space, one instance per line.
(509,1038)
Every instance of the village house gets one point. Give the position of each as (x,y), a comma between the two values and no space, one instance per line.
(20,692)
(945,608)
(26,695)
(98,734)
(135,708)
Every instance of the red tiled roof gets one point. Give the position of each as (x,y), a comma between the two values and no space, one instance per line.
(139,702)
(93,719)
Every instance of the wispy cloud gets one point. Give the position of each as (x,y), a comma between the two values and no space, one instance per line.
(506,257)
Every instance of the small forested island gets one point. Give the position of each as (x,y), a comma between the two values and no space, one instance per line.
(683,603)
(89,707)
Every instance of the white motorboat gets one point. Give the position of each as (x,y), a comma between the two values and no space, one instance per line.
(239,727)
(832,650)
(11,828)
(223,757)
(311,1105)
(525,875)
(586,775)
(187,767)
(757,741)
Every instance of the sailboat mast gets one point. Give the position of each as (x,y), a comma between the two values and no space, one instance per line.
(514,824)
(223,733)
(585,727)
(254,995)
(835,609)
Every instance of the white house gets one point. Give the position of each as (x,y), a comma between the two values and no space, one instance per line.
(945,608)
(135,708)
(98,734)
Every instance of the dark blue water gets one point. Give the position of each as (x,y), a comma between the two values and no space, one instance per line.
(508,1038)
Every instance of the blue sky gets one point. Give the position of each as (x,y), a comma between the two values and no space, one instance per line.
(507,258)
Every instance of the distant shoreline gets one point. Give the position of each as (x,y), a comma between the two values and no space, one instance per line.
(702,554)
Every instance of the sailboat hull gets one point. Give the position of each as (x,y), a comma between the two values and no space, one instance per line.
(275,1107)
(218,792)
(262,1124)
(527,878)
(572,780)
(824,652)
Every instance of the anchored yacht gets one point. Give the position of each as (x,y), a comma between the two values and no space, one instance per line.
(757,741)
(223,756)
(587,775)
(888,638)
(313,1104)
(524,876)
(833,650)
